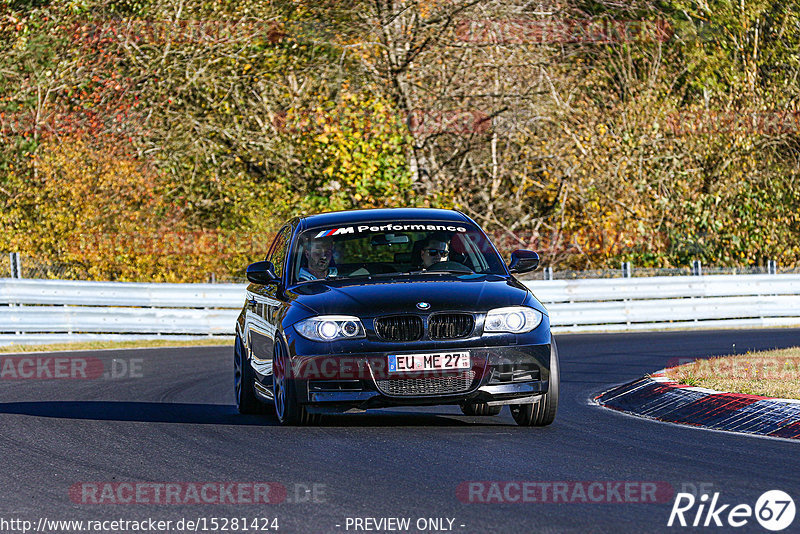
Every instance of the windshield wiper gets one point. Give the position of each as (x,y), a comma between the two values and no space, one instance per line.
(445,271)
(389,275)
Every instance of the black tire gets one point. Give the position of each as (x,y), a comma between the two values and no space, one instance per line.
(541,413)
(480,408)
(243,380)
(287,409)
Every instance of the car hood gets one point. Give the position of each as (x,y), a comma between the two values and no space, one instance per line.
(473,293)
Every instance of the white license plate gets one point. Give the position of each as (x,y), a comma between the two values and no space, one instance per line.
(439,361)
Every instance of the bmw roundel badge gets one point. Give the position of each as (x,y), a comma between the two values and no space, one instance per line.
(423,305)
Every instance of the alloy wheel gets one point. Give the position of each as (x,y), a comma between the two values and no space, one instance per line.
(279,381)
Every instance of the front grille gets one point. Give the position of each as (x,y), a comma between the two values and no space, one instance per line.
(450,325)
(436,385)
(399,328)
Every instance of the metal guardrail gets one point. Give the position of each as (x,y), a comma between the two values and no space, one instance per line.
(56,310)
(716,301)
(118,320)
(634,315)
(35,291)
(664,287)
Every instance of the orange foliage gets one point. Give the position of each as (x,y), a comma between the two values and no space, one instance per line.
(103,216)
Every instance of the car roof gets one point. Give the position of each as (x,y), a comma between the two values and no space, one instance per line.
(383,215)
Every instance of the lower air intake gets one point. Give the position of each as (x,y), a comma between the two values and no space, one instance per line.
(437,385)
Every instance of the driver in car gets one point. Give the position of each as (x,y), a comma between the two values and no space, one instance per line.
(433,251)
(318,254)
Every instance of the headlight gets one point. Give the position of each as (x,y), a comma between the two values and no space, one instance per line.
(330,328)
(514,319)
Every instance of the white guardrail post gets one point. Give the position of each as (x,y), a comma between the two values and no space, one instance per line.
(16,267)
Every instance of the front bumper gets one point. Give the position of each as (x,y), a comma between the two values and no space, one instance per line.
(500,375)
(494,395)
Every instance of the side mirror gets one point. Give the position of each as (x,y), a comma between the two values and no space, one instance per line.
(262,272)
(523,261)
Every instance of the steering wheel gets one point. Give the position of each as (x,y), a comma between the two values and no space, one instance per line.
(380,268)
(449,266)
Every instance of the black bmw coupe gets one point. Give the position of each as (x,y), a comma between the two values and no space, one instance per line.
(392,307)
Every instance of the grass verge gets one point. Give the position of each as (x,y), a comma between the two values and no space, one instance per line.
(773,373)
(97,345)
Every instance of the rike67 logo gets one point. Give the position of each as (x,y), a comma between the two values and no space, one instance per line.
(774,510)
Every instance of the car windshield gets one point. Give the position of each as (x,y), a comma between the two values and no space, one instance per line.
(399,248)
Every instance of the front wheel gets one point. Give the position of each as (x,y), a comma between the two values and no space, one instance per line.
(287,409)
(543,412)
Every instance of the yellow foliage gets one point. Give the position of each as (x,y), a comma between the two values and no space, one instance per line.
(99,215)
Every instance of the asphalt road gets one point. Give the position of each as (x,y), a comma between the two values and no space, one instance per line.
(172,420)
